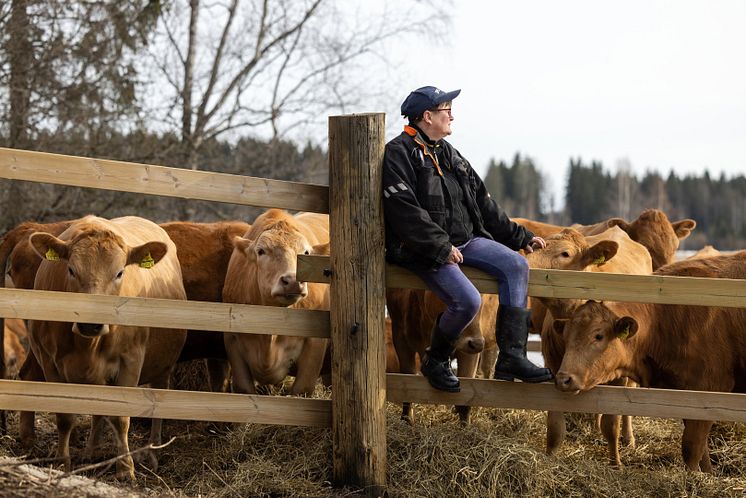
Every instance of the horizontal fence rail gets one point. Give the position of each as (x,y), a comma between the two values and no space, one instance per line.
(576,284)
(190,405)
(107,174)
(662,403)
(166,313)
(162,403)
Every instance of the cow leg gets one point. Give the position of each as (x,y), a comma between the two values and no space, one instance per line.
(94,437)
(242,380)
(467,367)
(407,365)
(610,430)
(125,464)
(309,366)
(628,435)
(694,445)
(218,374)
(487,359)
(30,370)
(556,429)
(65,425)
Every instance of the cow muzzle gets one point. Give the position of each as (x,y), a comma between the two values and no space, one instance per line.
(90,330)
(567,382)
(289,290)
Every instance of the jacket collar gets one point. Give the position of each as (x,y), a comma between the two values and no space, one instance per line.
(426,145)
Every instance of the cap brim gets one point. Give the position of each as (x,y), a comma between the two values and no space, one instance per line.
(446,97)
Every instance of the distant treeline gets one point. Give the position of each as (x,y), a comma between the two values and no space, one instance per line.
(593,194)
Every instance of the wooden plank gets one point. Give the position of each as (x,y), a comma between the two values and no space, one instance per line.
(661,403)
(639,288)
(167,313)
(576,284)
(356,146)
(162,403)
(16,164)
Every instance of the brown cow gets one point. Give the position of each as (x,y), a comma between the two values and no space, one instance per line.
(660,345)
(204,250)
(20,263)
(262,271)
(569,250)
(15,335)
(126,256)
(413,314)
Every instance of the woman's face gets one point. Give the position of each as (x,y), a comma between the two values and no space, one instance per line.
(439,121)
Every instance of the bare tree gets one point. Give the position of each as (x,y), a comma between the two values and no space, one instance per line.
(271,65)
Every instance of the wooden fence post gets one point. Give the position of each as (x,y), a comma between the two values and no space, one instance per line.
(356,144)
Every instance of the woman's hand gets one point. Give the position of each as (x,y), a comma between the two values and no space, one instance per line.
(455,257)
(535,243)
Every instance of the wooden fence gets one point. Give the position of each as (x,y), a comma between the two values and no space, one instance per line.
(358,277)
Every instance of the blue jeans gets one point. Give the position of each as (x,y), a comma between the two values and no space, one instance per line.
(461,298)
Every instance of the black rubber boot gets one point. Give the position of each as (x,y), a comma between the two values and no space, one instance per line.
(436,365)
(512,335)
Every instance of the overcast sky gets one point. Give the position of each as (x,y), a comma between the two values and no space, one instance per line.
(660,83)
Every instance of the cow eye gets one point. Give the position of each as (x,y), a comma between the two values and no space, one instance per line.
(307,252)
(260,252)
(565,254)
(599,337)
(70,271)
(120,274)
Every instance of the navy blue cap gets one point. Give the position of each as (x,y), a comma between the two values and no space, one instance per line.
(422,99)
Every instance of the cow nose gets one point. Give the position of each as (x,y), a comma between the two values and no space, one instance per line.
(476,344)
(565,382)
(90,329)
(290,285)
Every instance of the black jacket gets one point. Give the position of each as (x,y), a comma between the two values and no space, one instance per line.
(418,218)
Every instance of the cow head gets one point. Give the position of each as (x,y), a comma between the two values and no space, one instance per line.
(659,235)
(274,254)
(96,261)
(569,250)
(595,347)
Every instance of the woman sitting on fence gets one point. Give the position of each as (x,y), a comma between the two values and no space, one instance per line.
(439,215)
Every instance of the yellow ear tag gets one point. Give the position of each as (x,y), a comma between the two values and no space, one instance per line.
(147,261)
(599,260)
(624,333)
(51,255)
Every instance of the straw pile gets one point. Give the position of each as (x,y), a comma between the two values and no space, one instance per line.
(499,455)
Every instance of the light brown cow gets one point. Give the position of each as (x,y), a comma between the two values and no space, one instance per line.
(652,229)
(569,250)
(262,271)
(126,256)
(413,314)
(659,345)
(204,250)
(706,252)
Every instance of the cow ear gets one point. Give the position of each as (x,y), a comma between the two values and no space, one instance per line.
(625,327)
(683,228)
(618,222)
(321,249)
(148,254)
(559,325)
(600,253)
(243,245)
(49,247)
